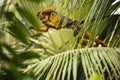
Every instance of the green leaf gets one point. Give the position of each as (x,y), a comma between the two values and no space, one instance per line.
(95,76)
(17,28)
(3,55)
(28,11)
(28,55)
(113,8)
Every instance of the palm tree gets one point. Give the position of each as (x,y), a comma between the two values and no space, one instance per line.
(56,54)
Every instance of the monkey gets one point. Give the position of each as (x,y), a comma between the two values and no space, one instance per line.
(51,19)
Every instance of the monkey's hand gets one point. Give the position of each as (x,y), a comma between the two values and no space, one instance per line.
(42,28)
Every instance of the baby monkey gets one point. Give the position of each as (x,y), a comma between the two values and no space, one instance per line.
(51,19)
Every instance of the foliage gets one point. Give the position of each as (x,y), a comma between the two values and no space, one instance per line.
(56,54)
(70,65)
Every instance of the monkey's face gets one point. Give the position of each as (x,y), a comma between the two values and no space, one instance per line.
(45,14)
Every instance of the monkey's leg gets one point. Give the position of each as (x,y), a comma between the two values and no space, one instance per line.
(97,41)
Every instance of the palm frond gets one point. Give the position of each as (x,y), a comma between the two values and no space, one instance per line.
(70,64)
(28,10)
(17,28)
(116,37)
(9,64)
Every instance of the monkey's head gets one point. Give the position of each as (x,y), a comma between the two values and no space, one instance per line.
(50,18)
(44,15)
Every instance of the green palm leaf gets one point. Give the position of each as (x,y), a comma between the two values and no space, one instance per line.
(67,65)
(17,28)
